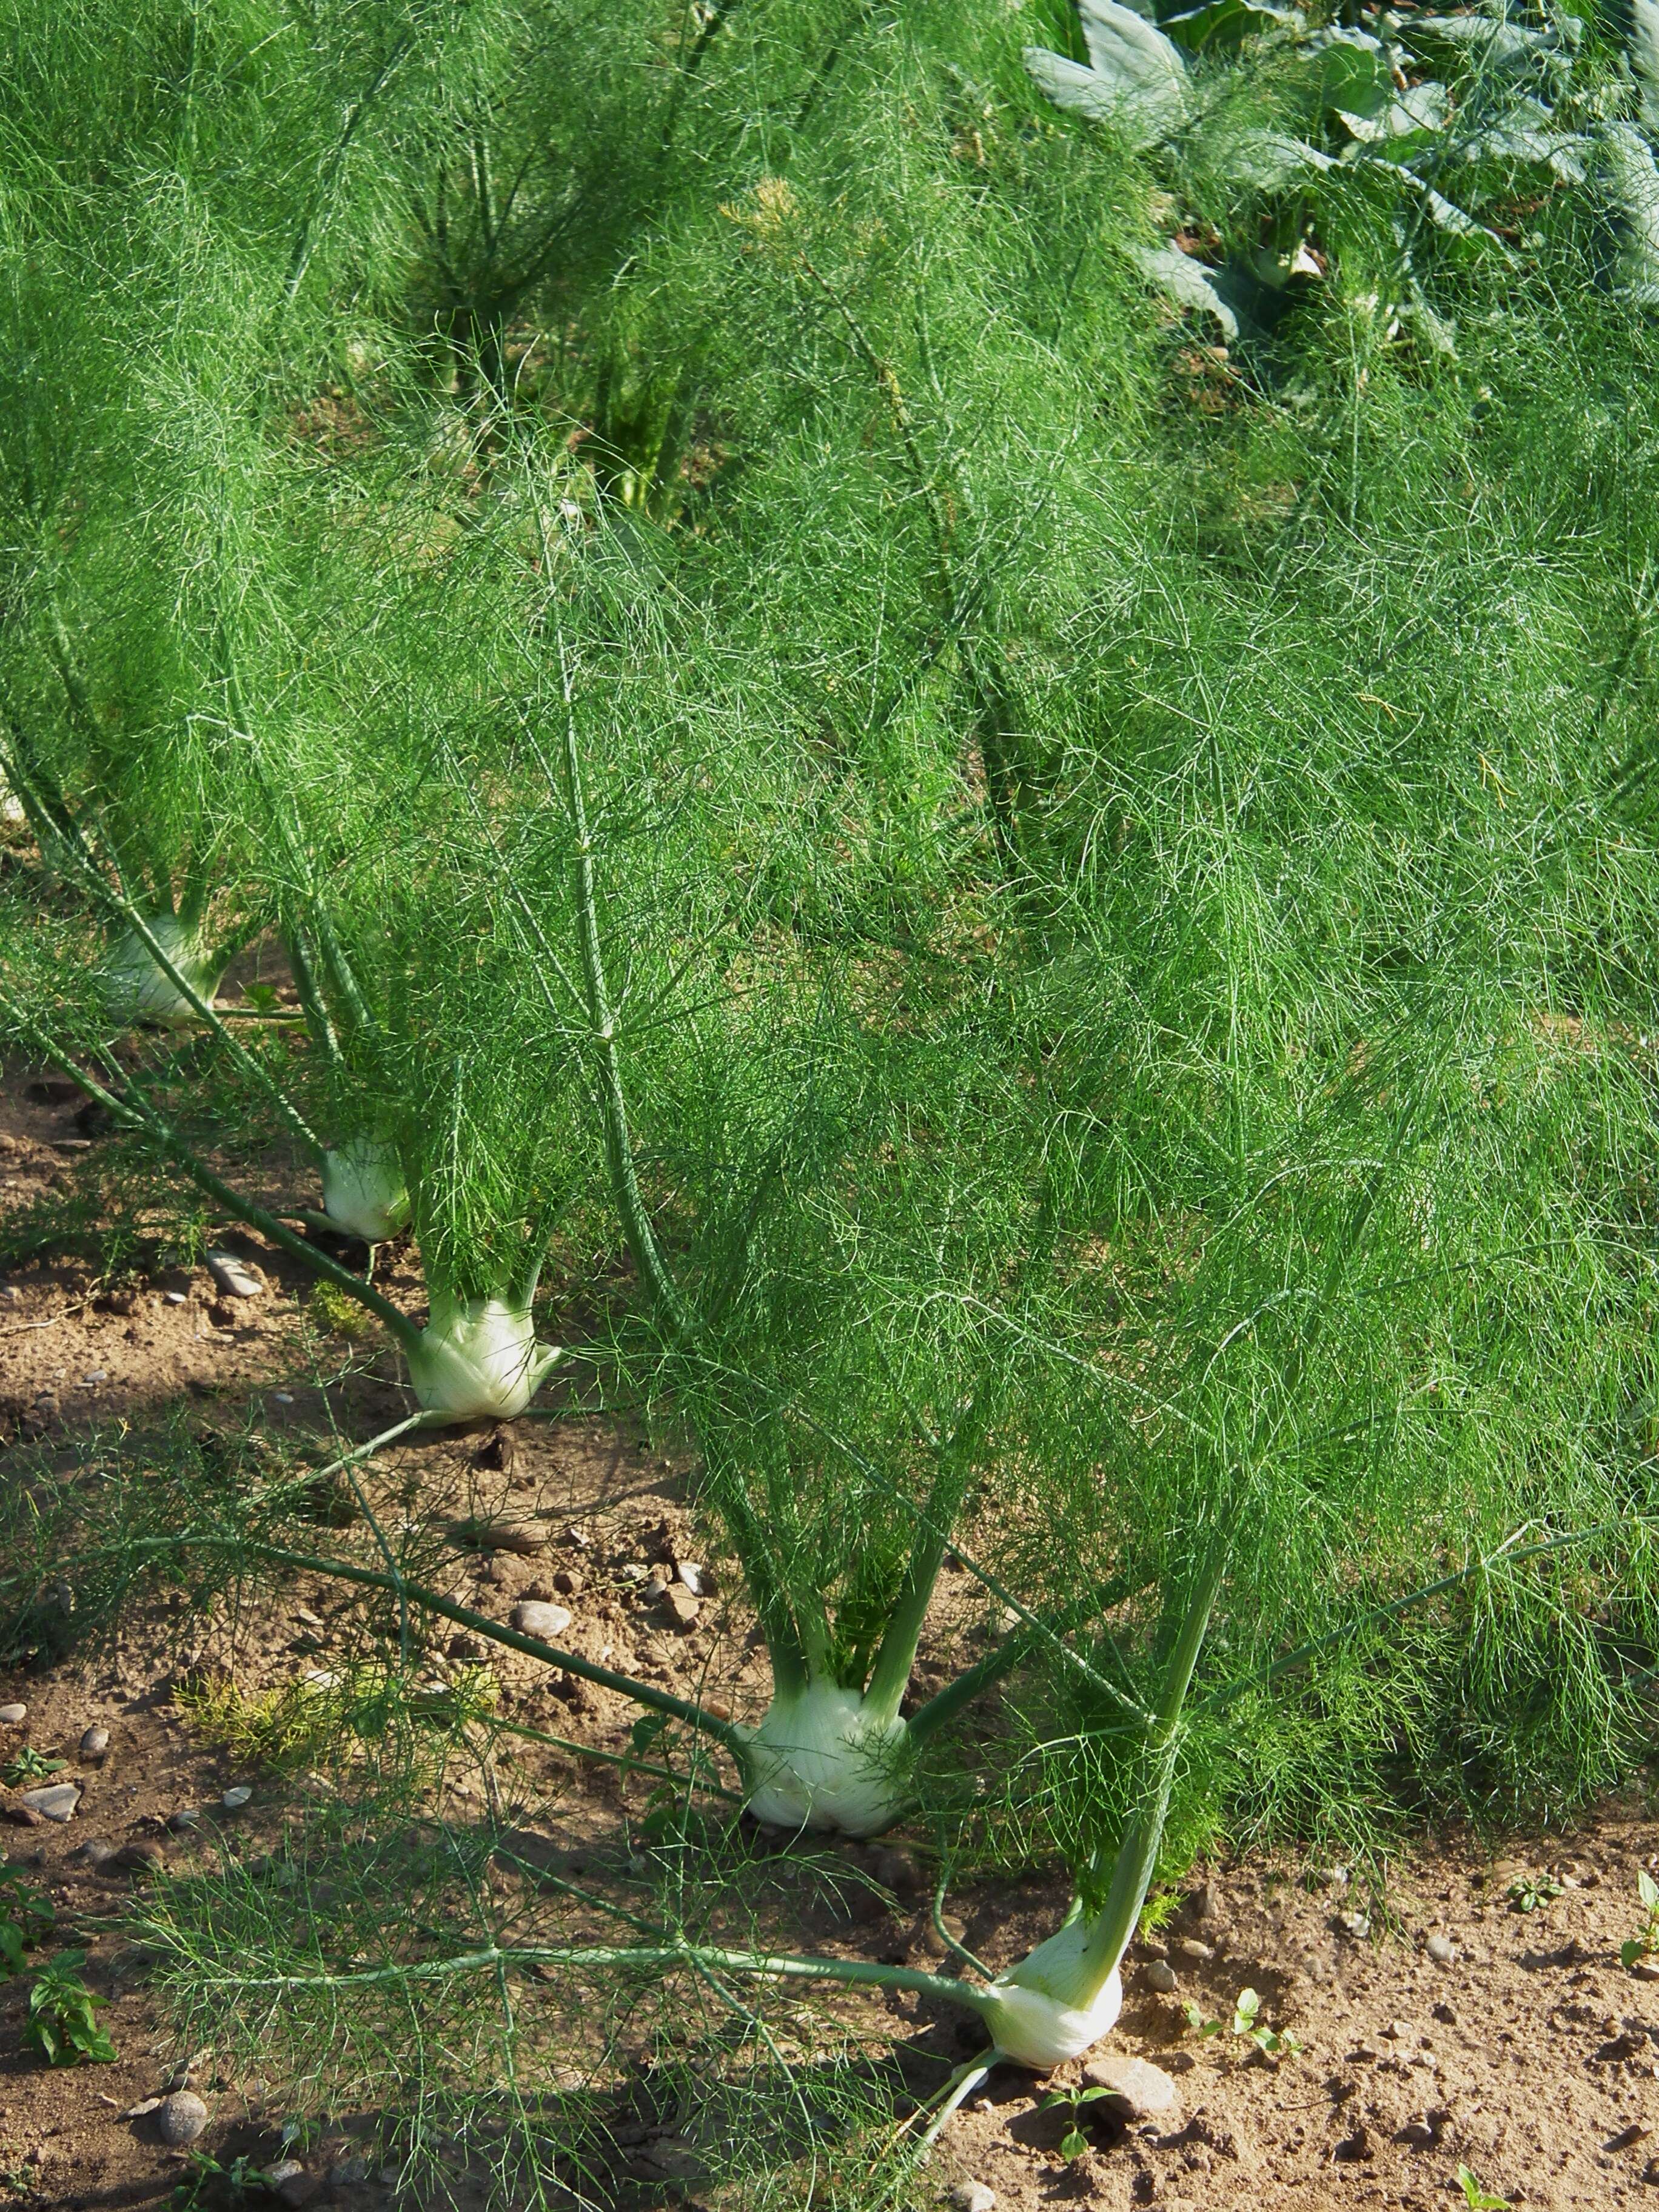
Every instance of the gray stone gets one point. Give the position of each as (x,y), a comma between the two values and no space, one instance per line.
(1206,1903)
(681,1607)
(1441,1949)
(349,2174)
(94,1743)
(290,2184)
(181,2117)
(184,1820)
(1195,1953)
(974,2196)
(695,1577)
(235,1798)
(1161,1977)
(231,1278)
(1136,2088)
(533,1618)
(57,1802)
(13,1716)
(515,1533)
(96,1852)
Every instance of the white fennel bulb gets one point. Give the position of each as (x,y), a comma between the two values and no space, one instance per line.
(136,990)
(477,1359)
(363,1192)
(822,1758)
(1058,2001)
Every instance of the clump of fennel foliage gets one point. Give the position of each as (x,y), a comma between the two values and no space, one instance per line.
(1090,951)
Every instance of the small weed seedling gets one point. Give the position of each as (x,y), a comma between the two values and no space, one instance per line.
(208,2185)
(1477,2198)
(1645,1945)
(63,2016)
(26,1915)
(1272,2043)
(32,1766)
(1532,1890)
(1073,2143)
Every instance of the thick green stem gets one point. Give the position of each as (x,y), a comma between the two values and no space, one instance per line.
(619,1150)
(1136,1857)
(890,1676)
(767,1966)
(947,1703)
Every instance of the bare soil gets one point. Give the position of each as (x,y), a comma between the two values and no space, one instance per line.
(1519,2048)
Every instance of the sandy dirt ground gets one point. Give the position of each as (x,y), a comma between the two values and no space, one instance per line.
(1456,2032)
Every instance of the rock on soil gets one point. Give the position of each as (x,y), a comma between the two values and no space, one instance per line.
(1136,2090)
(13,1716)
(1161,1977)
(94,1743)
(973,2196)
(290,2182)
(57,1802)
(181,2117)
(533,1617)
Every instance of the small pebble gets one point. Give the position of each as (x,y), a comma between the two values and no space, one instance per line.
(349,2174)
(533,1617)
(694,1577)
(142,2109)
(184,1820)
(57,1802)
(1357,1924)
(234,1798)
(283,1397)
(973,2196)
(1645,1970)
(290,2184)
(94,1743)
(231,1277)
(181,2117)
(1161,1977)
(1206,1903)
(1189,1947)
(1441,1949)
(96,1852)
(174,1298)
(567,1583)
(680,1606)
(96,1375)
(13,1716)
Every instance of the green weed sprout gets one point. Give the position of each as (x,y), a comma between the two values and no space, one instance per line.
(62,2022)
(1647,1943)
(1476,2196)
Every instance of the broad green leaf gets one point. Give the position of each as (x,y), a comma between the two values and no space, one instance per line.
(1186,281)
(1138,81)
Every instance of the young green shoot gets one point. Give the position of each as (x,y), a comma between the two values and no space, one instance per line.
(1646,1945)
